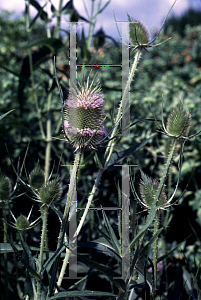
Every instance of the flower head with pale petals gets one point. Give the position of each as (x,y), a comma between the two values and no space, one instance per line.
(84,116)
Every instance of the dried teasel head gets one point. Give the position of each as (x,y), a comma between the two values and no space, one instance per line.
(50,193)
(178,124)
(139,33)
(37,178)
(22,223)
(5,188)
(148,189)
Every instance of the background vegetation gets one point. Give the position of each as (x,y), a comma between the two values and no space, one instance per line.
(166,75)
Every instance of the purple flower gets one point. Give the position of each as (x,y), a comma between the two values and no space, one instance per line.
(84,116)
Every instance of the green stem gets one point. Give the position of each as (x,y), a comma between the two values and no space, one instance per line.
(111,144)
(5,254)
(165,172)
(92,22)
(156,222)
(57,27)
(65,262)
(95,187)
(72,187)
(43,235)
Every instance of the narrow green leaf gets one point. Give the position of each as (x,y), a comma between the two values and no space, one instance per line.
(4,115)
(37,6)
(172,250)
(7,248)
(27,255)
(102,246)
(52,258)
(29,287)
(140,268)
(116,157)
(81,293)
(148,245)
(104,7)
(104,235)
(24,262)
(115,242)
(68,7)
(149,220)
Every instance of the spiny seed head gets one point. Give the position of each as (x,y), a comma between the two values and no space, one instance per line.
(37,178)
(22,223)
(148,188)
(5,188)
(50,193)
(139,34)
(84,116)
(178,124)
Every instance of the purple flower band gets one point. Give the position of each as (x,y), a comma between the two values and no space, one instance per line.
(86,101)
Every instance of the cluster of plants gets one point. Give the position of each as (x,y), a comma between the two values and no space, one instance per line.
(91,209)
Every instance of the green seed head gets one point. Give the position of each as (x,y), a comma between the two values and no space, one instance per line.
(5,188)
(22,223)
(50,193)
(178,124)
(139,34)
(37,178)
(148,188)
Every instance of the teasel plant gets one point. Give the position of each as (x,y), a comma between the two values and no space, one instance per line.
(44,192)
(83,119)
(153,197)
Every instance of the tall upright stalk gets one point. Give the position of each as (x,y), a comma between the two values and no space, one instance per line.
(156,222)
(72,188)
(111,144)
(57,27)
(42,243)
(5,254)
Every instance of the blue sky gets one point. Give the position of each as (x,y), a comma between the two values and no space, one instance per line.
(150,12)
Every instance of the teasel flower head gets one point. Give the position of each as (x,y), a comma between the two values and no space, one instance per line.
(50,193)
(148,189)
(84,116)
(5,188)
(139,33)
(37,178)
(178,124)
(22,222)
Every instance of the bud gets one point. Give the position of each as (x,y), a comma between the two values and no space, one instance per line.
(139,34)
(22,223)
(50,193)
(148,189)
(84,116)
(5,188)
(99,39)
(37,178)
(178,123)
